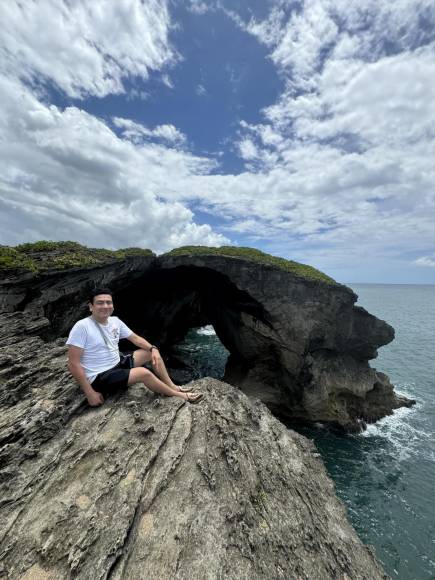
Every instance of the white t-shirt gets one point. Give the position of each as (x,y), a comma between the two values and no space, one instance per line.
(97,356)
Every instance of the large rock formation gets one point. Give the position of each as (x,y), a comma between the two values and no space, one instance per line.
(296,340)
(149,488)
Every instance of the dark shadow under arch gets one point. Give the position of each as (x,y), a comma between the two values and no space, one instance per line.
(165,303)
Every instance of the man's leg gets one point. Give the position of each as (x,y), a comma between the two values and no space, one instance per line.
(141,357)
(142,375)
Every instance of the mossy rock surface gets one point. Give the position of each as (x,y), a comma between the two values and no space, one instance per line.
(48,255)
(251,254)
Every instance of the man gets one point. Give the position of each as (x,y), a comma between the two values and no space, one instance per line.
(95,362)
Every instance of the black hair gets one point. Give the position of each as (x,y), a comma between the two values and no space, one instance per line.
(97,292)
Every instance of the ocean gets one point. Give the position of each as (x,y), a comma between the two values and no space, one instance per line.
(386,475)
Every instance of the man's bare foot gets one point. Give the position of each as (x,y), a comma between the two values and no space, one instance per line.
(183,388)
(194,397)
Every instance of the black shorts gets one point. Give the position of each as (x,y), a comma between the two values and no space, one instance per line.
(114,378)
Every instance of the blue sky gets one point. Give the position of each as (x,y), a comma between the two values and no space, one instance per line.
(304,129)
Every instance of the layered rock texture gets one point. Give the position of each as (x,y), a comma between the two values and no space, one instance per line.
(296,339)
(147,487)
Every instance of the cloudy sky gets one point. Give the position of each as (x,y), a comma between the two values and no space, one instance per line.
(305,129)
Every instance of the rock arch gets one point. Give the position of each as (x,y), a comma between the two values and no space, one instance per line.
(166,302)
(297,341)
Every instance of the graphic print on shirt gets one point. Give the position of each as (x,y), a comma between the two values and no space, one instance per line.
(112,335)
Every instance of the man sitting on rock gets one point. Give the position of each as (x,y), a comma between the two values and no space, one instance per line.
(95,362)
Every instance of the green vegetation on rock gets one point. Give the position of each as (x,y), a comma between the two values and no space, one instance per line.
(251,254)
(10,258)
(48,255)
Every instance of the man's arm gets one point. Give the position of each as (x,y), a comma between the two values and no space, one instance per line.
(75,368)
(143,343)
(139,341)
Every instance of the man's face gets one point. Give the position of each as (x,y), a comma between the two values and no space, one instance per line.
(102,306)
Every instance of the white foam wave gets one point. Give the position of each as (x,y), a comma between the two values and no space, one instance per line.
(400,430)
(206,330)
(384,426)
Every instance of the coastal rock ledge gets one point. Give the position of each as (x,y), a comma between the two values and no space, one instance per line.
(296,339)
(147,487)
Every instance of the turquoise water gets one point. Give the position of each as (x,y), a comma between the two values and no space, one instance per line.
(204,353)
(385,476)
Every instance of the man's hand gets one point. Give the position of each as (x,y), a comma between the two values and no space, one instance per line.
(95,398)
(155,356)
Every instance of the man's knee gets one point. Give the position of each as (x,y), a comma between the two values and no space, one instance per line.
(140,357)
(144,373)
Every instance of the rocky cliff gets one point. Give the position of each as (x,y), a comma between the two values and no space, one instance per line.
(296,339)
(149,488)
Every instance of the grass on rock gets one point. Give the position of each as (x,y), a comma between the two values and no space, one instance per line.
(47,255)
(251,254)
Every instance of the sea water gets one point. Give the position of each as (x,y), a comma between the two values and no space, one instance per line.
(386,475)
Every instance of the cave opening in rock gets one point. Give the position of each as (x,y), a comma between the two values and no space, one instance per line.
(167,305)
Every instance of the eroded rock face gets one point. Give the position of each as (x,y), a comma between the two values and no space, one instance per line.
(147,487)
(301,346)
(61,296)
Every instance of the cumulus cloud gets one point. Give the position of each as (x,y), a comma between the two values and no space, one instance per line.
(65,174)
(343,158)
(305,35)
(85,48)
(138,132)
(247,149)
(339,171)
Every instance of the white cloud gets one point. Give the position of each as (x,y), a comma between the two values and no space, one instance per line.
(343,161)
(426,261)
(269,31)
(306,36)
(166,80)
(85,48)
(137,132)
(65,174)
(339,172)
(137,94)
(199,7)
(304,39)
(200,90)
(247,149)
(387,102)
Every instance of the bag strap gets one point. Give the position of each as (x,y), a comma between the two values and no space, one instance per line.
(103,336)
